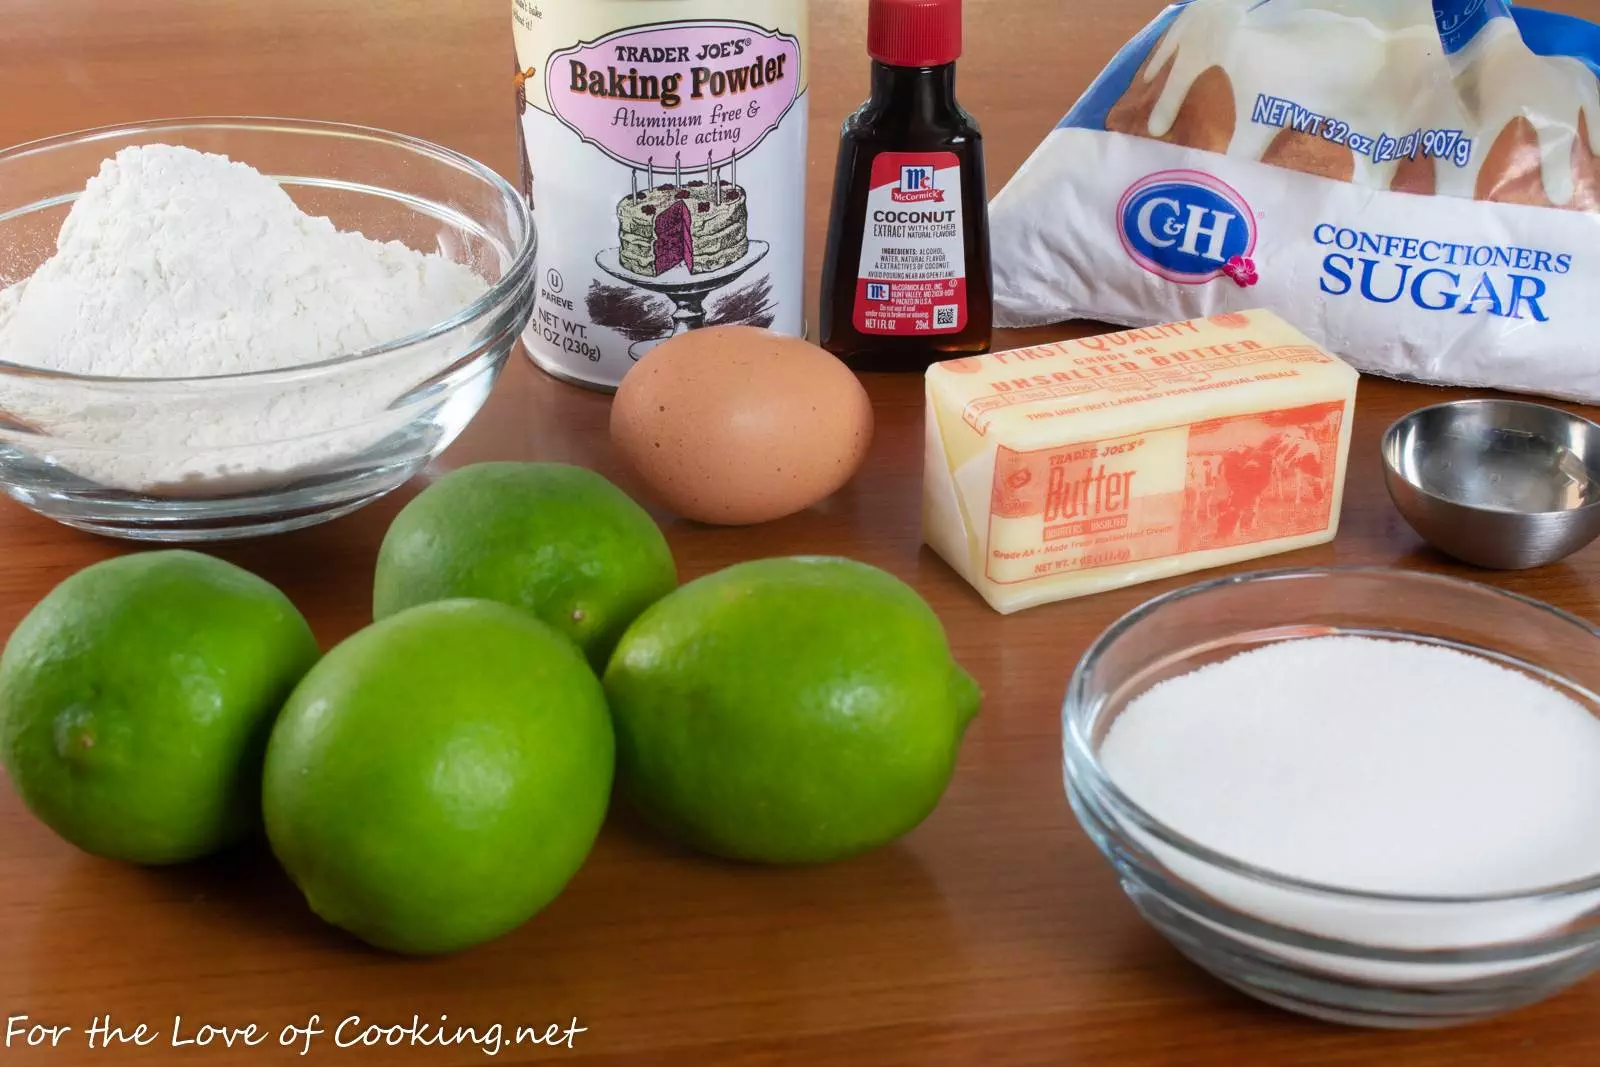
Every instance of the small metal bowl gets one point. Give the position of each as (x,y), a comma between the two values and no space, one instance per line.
(1500,484)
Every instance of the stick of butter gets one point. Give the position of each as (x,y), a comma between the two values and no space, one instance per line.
(1068,469)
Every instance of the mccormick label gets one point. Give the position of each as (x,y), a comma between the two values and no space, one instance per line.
(913,274)
(664,155)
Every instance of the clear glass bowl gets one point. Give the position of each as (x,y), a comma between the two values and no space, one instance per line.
(200,459)
(1358,958)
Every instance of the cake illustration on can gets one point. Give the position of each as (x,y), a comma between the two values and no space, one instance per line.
(1369,66)
(703,226)
(523,76)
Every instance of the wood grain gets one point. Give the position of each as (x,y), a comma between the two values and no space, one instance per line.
(992,935)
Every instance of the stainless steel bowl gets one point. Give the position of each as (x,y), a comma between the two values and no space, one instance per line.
(1501,484)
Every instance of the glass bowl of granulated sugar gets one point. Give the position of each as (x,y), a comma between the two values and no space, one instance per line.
(220,328)
(1365,795)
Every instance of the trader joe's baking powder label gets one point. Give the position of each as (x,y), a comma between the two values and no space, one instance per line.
(664,154)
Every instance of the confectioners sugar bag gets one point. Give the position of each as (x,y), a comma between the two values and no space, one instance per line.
(1416,189)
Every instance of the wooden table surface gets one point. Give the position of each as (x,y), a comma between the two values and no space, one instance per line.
(994,934)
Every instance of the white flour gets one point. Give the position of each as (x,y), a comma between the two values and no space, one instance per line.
(174,263)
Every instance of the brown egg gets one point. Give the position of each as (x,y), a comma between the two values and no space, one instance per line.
(734,425)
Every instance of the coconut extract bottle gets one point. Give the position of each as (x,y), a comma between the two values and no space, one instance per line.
(906,281)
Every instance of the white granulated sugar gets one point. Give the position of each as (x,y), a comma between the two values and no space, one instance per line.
(1379,765)
(176,263)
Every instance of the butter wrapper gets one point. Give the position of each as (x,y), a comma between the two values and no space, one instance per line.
(1073,468)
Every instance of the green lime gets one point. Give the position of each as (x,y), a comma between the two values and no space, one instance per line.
(136,700)
(558,541)
(788,710)
(439,777)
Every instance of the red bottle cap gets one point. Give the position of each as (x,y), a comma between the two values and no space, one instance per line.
(914,33)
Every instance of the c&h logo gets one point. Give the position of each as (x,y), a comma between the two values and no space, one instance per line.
(1188,227)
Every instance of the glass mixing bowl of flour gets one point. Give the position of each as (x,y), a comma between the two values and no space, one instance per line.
(1365,795)
(245,399)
